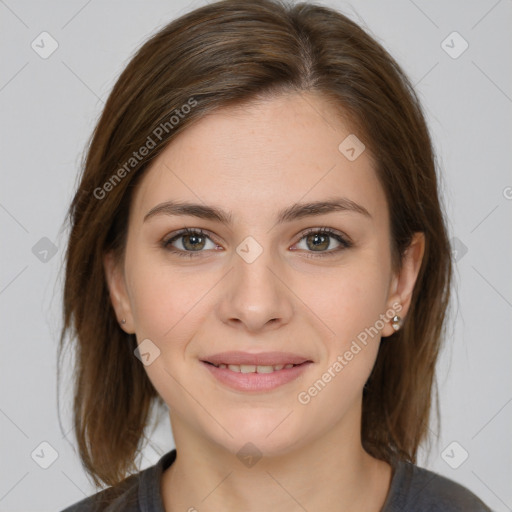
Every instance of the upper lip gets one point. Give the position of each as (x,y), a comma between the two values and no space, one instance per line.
(259,359)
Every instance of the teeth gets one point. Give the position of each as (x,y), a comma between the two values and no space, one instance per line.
(251,368)
(264,369)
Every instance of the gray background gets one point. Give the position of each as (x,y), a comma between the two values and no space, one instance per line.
(49,108)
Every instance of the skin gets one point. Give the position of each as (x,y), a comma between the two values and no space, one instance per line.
(254,161)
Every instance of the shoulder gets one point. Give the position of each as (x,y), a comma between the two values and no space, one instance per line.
(140,491)
(417,489)
(123,496)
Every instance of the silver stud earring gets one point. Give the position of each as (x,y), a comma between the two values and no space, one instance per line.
(123,321)
(396,322)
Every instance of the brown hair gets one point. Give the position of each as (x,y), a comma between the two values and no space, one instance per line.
(220,55)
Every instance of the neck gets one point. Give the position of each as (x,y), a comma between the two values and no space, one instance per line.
(333,473)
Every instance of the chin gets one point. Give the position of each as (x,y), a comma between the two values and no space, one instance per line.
(263,431)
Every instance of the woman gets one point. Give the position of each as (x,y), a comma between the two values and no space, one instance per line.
(257,244)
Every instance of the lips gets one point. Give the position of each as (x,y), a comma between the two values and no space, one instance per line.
(260,372)
(256,373)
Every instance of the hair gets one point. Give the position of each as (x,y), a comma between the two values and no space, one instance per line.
(228,54)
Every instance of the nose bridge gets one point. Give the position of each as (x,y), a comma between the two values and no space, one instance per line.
(255,294)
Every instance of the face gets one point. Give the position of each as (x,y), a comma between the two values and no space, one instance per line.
(268,286)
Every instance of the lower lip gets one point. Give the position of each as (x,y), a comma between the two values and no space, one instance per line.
(256,381)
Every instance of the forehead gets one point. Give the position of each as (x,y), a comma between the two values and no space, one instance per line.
(257,158)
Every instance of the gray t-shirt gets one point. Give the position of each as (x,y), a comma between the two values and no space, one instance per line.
(413,489)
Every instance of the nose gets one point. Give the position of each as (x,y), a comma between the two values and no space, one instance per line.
(255,297)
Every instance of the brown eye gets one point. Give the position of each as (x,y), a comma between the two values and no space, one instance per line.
(193,242)
(187,242)
(320,240)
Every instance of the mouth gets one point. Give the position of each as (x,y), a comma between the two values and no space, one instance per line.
(256,372)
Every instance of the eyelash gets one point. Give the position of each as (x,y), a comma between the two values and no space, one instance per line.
(345,244)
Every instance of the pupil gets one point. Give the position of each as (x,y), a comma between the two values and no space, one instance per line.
(319,240)
(195,239)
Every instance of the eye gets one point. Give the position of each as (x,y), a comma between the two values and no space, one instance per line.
(317,240)
(192,241)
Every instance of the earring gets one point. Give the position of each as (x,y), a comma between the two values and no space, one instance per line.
(123,321)
(396,322)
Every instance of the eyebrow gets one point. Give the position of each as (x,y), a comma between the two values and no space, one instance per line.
(288,214)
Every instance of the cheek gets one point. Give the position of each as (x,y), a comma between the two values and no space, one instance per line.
(350,305)
(165,307)
(351,308)
(347,300)
(163,300)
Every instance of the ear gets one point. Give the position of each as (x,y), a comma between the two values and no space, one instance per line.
(118,294)
(402,284)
